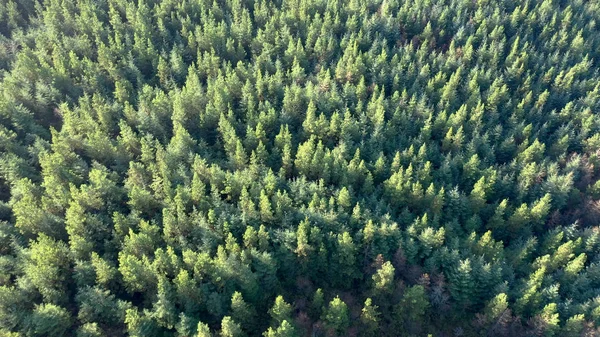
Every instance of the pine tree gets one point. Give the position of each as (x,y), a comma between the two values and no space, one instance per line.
(46,269)
(411,312)
(336,316)
(462,283)
(285,329)
(241,311)
(230,328)
(281,311)
(164,308)
(383,279)
(266,214)
(317,304)
(344,199)
(369,318)
(202,330)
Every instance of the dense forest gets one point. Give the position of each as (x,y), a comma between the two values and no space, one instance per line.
(196,168)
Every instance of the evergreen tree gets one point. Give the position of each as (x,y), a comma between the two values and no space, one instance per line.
(280,311)
(336,316)
(230,328)
(369,318)
(164,162)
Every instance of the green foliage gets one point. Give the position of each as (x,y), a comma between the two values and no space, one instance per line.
(285,329)
(369,317)
(178,168)
(50,320)
(411,311)
(230,328)
(383,279)
(202,330)
(336,316)
(496,306)
(241,311)
(280,311)
(45,266)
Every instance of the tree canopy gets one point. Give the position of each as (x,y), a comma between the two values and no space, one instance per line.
(299,168)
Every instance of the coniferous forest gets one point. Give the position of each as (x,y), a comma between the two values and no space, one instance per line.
(291,168)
